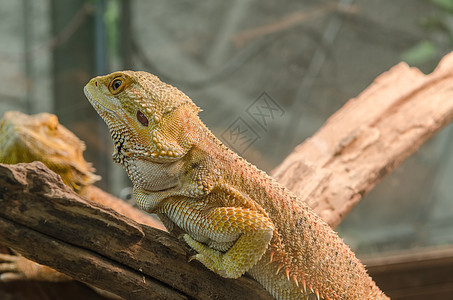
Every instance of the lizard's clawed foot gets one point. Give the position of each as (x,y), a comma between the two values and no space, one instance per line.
(11,267)
(210,258)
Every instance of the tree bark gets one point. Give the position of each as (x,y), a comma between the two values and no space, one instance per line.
(368,137)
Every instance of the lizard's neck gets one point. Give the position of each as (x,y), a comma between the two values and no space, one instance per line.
(211,146)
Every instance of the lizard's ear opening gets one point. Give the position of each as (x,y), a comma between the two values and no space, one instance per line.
(142,118)
(175,134)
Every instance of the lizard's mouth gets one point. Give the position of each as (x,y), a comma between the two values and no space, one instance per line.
(108,115)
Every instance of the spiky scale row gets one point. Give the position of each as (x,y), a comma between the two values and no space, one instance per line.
(236,217)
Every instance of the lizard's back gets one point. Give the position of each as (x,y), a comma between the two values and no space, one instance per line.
(305,255)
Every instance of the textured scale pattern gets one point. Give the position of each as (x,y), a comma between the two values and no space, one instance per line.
(25,139)
(236,217)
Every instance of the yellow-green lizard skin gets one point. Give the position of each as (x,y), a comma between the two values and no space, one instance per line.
(237,218)
(25,138)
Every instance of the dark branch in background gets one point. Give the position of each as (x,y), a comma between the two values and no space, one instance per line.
(73,25)
(255,39)
(234,64)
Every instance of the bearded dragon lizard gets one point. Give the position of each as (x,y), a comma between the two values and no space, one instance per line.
(235,217)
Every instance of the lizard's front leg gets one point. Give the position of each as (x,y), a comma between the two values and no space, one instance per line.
(229,240)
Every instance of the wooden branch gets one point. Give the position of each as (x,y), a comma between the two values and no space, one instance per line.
(368,137)
(47,222)
(95,194)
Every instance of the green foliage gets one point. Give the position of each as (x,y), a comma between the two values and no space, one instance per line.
(446,5)
(420,53)
(439,35)
(111,19)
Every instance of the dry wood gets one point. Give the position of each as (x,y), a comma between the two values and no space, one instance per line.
(95,194)
(415,274)
(368,137)
(47,222)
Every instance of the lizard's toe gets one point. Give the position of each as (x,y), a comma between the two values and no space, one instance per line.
(7,258)
(8,267)
(195,257)
(195,245)
(11,276)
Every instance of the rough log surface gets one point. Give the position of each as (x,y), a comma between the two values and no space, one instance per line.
(368,137)
(47,222)
(95,194)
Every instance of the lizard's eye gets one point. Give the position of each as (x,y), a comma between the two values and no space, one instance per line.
(116,85)
(142,118)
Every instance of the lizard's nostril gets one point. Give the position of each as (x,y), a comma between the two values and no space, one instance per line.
(96,83)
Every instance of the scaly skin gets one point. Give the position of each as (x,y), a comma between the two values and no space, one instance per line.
(234,216)
(25,138)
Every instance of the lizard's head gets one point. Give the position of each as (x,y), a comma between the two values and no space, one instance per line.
(147,118)
(25,138)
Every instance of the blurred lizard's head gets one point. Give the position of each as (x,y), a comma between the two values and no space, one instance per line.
(148,119)
(25,138)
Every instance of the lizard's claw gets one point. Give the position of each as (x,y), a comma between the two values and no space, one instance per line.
(194,245)
(210,258)
(204,252)
(198,257)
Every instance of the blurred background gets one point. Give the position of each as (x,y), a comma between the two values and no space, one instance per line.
(306,58)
